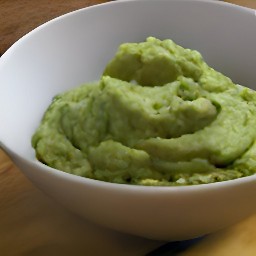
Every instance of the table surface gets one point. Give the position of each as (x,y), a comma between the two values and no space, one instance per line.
(33,224)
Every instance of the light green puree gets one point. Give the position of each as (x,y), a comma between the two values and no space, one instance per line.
(158,116)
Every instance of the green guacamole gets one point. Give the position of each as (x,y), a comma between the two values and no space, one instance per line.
(159,116)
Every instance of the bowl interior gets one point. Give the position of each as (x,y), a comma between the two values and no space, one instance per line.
(74,49)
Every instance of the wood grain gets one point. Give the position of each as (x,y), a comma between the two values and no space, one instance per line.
(19,17)
(247,3)
(32,224)
(238,240)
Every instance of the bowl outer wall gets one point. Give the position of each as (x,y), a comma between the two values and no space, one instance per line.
(161,213)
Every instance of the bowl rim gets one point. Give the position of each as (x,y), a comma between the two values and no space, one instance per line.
(115,2)
(144,188)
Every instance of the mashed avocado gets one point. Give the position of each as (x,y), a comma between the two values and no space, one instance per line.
(158,116)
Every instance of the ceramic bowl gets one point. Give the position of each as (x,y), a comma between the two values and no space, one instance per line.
(73,49)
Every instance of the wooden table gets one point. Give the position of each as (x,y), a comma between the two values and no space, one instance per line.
(33,224)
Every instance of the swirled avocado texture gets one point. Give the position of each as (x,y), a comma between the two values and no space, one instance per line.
(159,115)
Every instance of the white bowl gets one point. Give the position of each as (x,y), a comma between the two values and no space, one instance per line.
(74,49)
